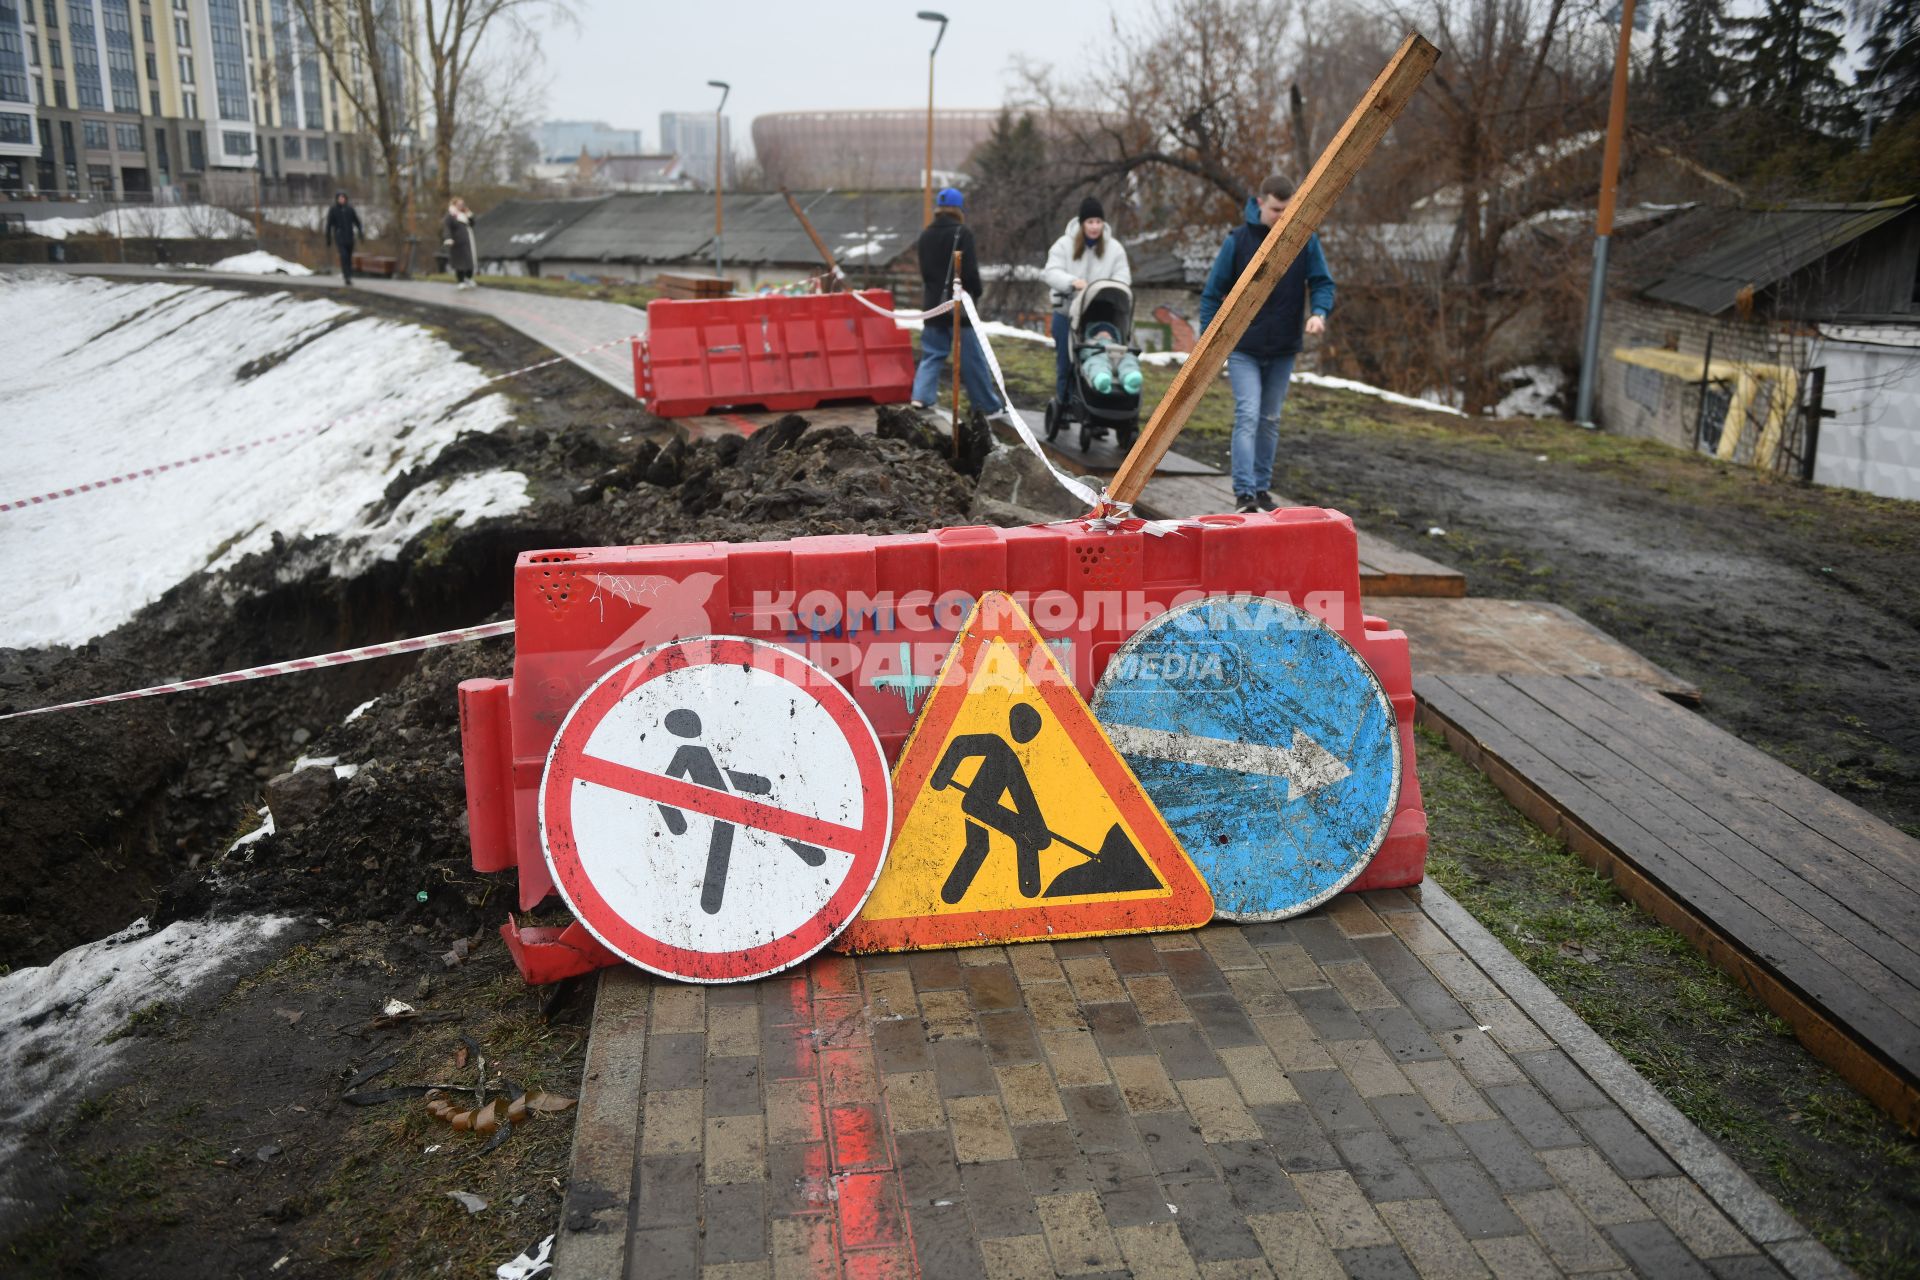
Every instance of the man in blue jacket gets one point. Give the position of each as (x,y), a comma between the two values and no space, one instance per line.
(1261,366)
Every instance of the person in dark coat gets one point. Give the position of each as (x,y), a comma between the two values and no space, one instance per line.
(1261,365)
(457,238)
(946,234)
(343,228)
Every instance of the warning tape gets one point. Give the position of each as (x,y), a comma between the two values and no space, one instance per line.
(146,473)
(484,631)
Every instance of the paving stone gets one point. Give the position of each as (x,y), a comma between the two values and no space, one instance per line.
(1209,1221)
(1341,1209)
(736,1149)
(1601,1194)
(834,975)
(928,1170)
(1017,1258)
(1143,1084)
(1333,1100)
(1217,1108)
(1380,1168)
(1156,1252)
(1009,1037)
(800,1178)
(1329,1013)
(1464,978)
(849,1075)
(785,1000)
(1515,1258)
(1472,1200)
(1422,936)
(1254,1178)
(1390,959)
(962,1069)
(998,1200)
(1631,1153)
(676,1061)
(1453,1098)
(1505,1155)
(913,1102)
(1053,1008)
(944,1244)
(1294,1247)
(672,1253)
(1420,1133)
(1480,1057)
(1402,1035)
(993,987)
(840,1022)
(733,1086)
(733,1030)
(890,994)
(1236,1269)
(1693,1217)
(1027,1091)
(1050,1156)
(1257,1075)
(1536,1118)
(934,971)
(1358,984)
(1569,1238)
(678,1008)
(1077,1234)
(1099,1118)
(1434,1005)
(1185,1052)
(1655,1251)
(1292,965)
(1294,1042)
(1184,940)
(1194,973)
(948,1015)
(668,1194)
(736,1223)
(1075,1057)
(902,1046)
(1093,979)
(1564,1082)
(1748,1267)
(1259,992)
(1267,933)
(1132,954)
(1118,1029)
(1228,947)
(1033,962)
(979,1130)
(793,1111)
(1295,1137)
(786,1053)
(1368,1067)
(1174,1146)
(1157,999)
(981,956)
(1354,917)
(1510,1028)
(671,1121)
(1223,1020)
(1381,1262)
(1129,1191)
(1435,1246)
(758,1269)
(1322,938)
(1079,947)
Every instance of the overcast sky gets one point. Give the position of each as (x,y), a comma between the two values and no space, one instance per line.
(627,62)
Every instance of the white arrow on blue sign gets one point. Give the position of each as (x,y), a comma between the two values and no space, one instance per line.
(1268,744)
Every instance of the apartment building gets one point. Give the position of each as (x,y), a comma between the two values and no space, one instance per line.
(186,100)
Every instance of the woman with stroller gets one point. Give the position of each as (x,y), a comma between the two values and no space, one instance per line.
(1088,252)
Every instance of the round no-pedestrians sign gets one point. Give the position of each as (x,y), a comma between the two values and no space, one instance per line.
(715,809)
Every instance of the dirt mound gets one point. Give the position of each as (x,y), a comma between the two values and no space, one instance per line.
(113,812)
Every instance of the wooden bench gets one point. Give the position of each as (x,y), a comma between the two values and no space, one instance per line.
(1810,902)
(375,264)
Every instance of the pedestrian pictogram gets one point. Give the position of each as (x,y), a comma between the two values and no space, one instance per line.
(715,809)
(1014,816)
(1268,743)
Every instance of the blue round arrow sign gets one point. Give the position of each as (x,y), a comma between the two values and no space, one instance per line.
(1267,742)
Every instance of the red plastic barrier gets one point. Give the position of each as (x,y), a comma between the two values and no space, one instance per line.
(777,352)
(880,613)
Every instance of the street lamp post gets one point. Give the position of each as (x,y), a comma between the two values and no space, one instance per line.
(926,202)
(719,170)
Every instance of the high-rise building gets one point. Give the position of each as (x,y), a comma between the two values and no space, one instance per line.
(188,99)
(18,140)
(689,135)
(562,141)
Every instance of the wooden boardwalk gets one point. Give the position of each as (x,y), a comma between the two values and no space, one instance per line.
(1810,902)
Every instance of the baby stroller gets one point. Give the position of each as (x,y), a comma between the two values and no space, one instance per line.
(1100,326)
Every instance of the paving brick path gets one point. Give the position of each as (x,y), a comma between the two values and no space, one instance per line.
(1344,1094)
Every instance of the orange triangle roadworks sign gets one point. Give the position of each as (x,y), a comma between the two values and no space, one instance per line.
(1014,817)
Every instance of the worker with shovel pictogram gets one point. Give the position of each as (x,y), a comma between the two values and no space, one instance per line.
(1000,798)
(696,764)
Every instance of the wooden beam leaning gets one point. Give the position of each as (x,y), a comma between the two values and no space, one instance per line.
(1344,156)
(820,246)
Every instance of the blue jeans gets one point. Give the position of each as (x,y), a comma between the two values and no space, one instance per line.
(935,345)
(1259,389)
(1062,356)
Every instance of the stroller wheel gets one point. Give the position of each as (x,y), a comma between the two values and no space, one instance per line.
(1053,419)
(1126,435)
(1086,436)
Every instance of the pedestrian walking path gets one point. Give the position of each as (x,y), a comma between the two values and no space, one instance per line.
(1376,1088)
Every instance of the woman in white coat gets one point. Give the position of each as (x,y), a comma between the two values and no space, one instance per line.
(1086,253)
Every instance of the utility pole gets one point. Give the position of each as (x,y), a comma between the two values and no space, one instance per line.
(926,198)
(1603,227)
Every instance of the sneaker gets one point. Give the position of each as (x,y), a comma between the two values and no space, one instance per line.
(1266,501)
(915,404)
(1246,503)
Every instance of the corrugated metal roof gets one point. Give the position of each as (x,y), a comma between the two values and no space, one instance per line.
(864,229)
(515,228)
(1761,247)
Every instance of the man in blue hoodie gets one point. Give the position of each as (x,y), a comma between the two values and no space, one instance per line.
(1261,366)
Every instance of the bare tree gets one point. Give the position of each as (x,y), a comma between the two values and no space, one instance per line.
(366,44)
(453,34)
(493,142)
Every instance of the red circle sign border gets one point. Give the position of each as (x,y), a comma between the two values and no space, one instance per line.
(687,964)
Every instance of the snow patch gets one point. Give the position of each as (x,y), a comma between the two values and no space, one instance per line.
(1322,380)
(260,263)
(1535,387)
(360,710)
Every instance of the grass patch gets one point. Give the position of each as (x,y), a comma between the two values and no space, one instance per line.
(1833,1159)
(632,295)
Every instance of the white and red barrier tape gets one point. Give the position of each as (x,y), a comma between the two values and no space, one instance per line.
(484,631)
(145,473)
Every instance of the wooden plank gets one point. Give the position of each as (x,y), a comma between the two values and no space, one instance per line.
(1105,457)
(1561,804)
(1483,636)
(1344,156)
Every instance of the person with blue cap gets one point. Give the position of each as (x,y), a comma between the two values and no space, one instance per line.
(947,234)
